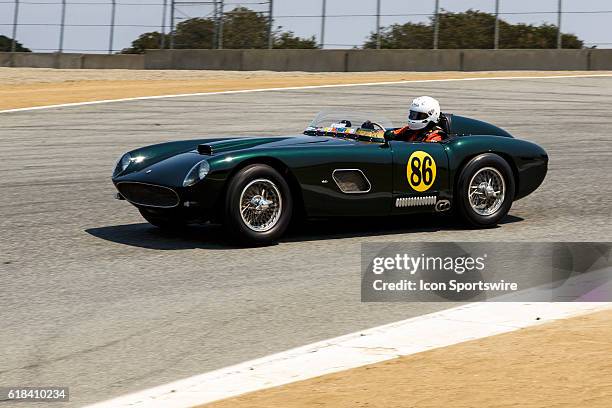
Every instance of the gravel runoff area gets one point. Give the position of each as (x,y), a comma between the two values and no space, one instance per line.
(28,87)
(19,76)
(566,363)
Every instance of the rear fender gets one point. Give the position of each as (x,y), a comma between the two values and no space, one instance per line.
(529,162)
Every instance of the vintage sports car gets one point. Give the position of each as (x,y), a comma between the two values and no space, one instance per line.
(345,164)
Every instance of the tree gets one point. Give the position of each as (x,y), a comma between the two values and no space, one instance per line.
(6,45)
(146,41)
(471,29)
(194,33)
(530,36)
(286,40)
(242,29)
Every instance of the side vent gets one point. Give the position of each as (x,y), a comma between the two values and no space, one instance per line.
(351,181)
(205,149)
(415,201)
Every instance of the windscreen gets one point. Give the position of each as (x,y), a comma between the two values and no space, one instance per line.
(349,124)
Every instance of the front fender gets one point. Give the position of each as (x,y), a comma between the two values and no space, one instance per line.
(158,152)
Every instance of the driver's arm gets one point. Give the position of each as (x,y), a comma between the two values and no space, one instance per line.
(401,134)
(436,135)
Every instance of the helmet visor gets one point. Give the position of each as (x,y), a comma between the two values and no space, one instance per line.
(413,115)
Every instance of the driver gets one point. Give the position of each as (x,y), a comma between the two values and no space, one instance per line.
(422,122)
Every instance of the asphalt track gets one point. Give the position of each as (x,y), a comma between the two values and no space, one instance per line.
(95,299)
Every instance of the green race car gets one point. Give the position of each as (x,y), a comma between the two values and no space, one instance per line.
(339,167)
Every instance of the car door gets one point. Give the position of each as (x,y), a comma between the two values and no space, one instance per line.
(420,175)
(345,178)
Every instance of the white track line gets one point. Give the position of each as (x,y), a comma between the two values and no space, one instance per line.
(293,88)
(469,322)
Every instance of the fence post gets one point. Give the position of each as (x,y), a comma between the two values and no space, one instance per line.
(496,35)
(436,25)
(559,36)
(215,38)
(112,26)
(270,22)
(62,26)
(220,35)
(378,24)
(171,24)
(162,40)
(322,39)
(15,23)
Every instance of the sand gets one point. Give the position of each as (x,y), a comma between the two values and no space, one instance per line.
(29,87)
(567,363)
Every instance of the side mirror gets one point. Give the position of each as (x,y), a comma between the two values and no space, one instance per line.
(388,136)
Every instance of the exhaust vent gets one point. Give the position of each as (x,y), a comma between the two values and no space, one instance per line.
(415,201)
(351,181)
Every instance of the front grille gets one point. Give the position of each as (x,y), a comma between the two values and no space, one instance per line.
(148,195)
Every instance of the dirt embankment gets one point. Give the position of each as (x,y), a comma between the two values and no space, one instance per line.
(29,87)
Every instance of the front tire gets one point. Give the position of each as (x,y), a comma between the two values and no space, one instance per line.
(485,190)
(258,206)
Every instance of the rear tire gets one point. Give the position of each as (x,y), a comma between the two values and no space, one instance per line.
(258,206)
(485,190)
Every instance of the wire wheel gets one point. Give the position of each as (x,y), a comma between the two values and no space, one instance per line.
(487,191)
(260,205)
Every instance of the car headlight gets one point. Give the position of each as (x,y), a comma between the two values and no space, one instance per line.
(197,173)
(122,164)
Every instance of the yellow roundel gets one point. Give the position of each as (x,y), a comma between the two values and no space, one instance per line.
(421,171)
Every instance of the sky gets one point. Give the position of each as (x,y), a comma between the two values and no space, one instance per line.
(134,17)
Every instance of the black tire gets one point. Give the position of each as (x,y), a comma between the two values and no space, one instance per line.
(478,165)
(236,227)
(164,222)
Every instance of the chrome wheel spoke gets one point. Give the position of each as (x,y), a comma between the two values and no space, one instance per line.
(486,191)
(260,205)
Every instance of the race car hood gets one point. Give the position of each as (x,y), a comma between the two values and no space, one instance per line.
(231,145)
(168,163)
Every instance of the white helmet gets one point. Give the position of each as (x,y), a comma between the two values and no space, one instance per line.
(423,110)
